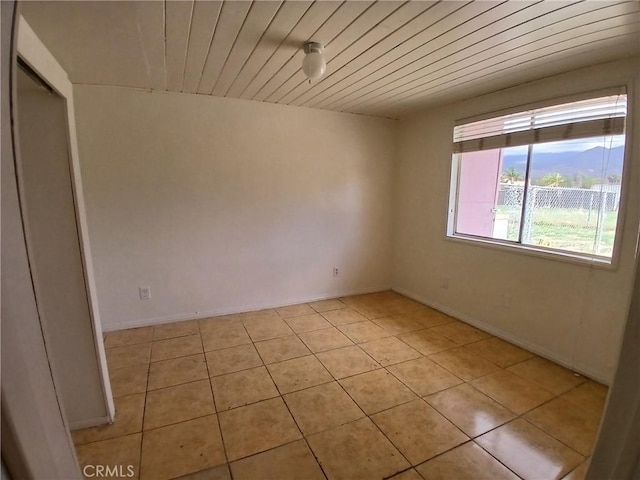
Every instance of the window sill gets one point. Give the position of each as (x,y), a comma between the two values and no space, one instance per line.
(565,257)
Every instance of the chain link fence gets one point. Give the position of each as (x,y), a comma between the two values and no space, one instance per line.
(574,219)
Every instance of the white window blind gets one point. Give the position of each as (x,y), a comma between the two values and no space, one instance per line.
(581,119)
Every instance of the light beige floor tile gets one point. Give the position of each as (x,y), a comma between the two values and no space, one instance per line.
(568,423)
(578,473)
(463,363)
(548,375)
(293,461)
(347,361)
(129,356)
(220,323)
(307,323)
(181,449)
(176,371)
(373,311)
(397,324)
(127,381)
(322,407)
(466,462)
(410,474)
(229,335)
(529,452)
(232,359)
(460,333)
(131,336)
(589,396)
(280,349)
(257,315)
(327,305)
(121,453)
(418,430)
(176,347)
(256,428)
(514,392)
(390,350)
(470,410)
(221,472)
(402,305)
(428,317)
(363,331)
(377,390)
(128,420)
(427,342)
(242,388)
(343,316)
(177,329)
(424,376)
(498,351)
(178,403)
(295,310)
(299,373)
(356,451)
(325,339)
(266,328)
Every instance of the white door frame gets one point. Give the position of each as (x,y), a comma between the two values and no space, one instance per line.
(34,53)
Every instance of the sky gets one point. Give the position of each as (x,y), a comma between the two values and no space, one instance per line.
(578,145)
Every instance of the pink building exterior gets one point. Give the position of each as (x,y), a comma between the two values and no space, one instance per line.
(478,191)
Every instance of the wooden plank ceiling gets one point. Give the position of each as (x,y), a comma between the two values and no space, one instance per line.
(384,58)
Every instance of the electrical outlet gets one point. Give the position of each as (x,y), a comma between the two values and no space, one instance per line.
(145,293)
(444,283)
(336,272)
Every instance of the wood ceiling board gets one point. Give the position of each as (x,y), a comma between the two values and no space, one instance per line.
(450,53)
(351,43)
(432,39)
(203,24)
(507,79)
(394,47)
(513,51)
(285,20)
(177,28)
(313,19)
(531,60)
(150,23)
(232,17)
(258,20)
(334,24)
(390,45)
(443,44)
(96,43)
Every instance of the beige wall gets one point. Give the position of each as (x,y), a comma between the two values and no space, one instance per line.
(223,205)
(572,313)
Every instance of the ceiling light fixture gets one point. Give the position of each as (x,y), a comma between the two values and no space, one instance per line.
(313,64)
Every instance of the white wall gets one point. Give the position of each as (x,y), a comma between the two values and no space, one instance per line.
(223,205)
(572,313)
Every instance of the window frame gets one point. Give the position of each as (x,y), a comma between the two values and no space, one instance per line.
(532,250)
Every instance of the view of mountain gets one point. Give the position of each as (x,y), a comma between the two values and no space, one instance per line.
(595,162)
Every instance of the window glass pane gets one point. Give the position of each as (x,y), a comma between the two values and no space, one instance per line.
(489,202)
(574,194)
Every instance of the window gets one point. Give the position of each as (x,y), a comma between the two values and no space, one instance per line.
(547,179)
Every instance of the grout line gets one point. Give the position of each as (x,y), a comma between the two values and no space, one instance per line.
(215,406)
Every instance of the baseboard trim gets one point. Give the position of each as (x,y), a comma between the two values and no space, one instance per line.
(146,322)
(92,422)
(532,347)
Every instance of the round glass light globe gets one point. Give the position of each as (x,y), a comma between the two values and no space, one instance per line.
(314,65)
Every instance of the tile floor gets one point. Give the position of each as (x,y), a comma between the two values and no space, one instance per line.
(371,386)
